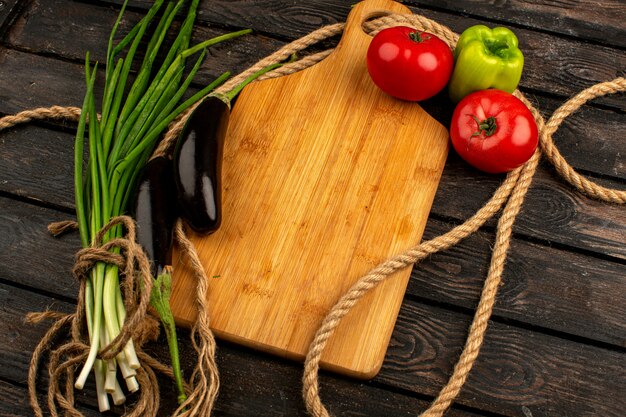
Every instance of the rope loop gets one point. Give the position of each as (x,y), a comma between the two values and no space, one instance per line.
(137,326)
(550,150)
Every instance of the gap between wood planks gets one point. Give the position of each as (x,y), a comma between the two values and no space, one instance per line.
(399,372)
(506,13)
(541,51)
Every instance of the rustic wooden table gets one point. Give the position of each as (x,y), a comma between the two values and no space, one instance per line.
(556,345)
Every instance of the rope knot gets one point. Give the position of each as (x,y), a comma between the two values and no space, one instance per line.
(87,258)
(136,284)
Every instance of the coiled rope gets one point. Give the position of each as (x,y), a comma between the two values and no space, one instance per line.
(510,195)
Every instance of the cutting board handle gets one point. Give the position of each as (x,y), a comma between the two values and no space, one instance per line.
(353,34)
(324,177)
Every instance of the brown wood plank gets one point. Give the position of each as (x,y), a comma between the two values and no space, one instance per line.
(542,286)
(601,22)
(9,10)
(252,384)
(19,340)
(330,225)
(15,402)
(591,139)
(29,255)
(44,29)
(277,17)
(516,368)
(47,82)
(45,174)
(553,211)
(281,396)
(553,64)
(554,207)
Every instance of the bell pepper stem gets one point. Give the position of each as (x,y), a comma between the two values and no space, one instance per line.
(485,58)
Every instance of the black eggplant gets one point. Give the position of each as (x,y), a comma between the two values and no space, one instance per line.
(198,165)
(155,212)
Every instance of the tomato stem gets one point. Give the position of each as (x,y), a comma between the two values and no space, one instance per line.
(487,126)
(418,37)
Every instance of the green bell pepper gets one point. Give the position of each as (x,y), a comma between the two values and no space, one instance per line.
(485,58)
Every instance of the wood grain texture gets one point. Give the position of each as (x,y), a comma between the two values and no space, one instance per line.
(591,138)
(598,226)
(516,368)
(45,175)
(553,210)
(69,29)
(18,339)
(252,384)
(15,402)
(289,19)
(24,238)
(557,65)
(279,392)
(9,10)
(585,19)
(324,177)
(542,286)
(48,82)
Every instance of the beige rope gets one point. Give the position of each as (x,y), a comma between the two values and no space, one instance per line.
(205,378)
(510,194)
(484,310)
(134,266)
(414,20)
(382,272)
(41,113)
(552,153)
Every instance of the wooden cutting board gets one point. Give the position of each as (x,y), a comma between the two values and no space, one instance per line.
(324,177)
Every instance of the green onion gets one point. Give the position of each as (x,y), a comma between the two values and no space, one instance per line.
(133,118)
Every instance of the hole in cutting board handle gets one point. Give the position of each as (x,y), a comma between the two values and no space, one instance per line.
(372,16)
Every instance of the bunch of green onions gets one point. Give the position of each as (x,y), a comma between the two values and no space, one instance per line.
(133,116)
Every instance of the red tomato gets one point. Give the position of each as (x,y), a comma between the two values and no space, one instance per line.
(409,65)
(493,131)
